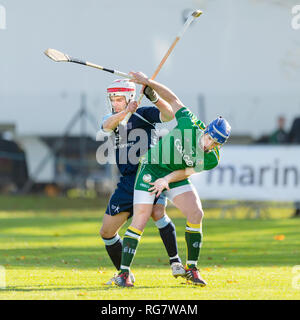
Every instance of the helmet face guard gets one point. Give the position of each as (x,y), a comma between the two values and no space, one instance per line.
(219,130)
(121,87)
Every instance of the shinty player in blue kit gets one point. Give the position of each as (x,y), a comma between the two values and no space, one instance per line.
(121,94)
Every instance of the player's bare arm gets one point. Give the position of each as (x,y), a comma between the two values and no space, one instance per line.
(165,109)
(164,92)
(114,120)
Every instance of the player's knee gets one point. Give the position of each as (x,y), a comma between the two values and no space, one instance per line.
(196,215)
(157,213)
(105,233)
(199,214)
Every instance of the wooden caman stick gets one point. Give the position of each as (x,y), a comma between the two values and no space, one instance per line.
(188,22)
(58,56)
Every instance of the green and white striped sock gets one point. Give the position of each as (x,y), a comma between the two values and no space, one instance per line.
(130,243)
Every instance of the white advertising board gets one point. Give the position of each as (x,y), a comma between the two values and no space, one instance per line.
(269,173)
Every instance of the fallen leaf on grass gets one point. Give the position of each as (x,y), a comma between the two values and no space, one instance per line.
(279,237)
(207,269)
(82,294)
(209,258)
(232,281)
(20,258)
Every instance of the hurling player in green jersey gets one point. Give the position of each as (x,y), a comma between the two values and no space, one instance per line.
(189,148)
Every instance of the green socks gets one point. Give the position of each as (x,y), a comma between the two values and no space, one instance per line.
(193,239)
(130,243)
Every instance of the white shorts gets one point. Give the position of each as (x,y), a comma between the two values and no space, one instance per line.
(144,197)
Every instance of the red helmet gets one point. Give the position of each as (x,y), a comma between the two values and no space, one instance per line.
(121,87)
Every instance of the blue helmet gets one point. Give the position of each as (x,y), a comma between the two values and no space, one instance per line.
(219,130)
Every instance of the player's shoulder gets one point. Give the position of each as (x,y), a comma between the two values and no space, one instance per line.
(185,115)
(216,153)
(211,159)
(143,109)
(183,112)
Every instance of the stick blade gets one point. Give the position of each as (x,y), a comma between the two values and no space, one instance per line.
(56,55)
(197,13)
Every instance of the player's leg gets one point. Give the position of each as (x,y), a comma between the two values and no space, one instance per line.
(142,213)
(186,199)
(109,233)
(168,235)
(119,209)
(143,206)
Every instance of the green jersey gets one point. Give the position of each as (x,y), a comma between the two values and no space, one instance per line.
(180,148)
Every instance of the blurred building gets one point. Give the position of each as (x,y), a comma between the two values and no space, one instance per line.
(242,58)
(13,164)
(239,60)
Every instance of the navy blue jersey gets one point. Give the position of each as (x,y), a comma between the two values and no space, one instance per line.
(127,140)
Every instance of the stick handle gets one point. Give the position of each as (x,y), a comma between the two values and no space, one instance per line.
(96,66)
(118,73)
(129,114)
(190,19)
(165,58)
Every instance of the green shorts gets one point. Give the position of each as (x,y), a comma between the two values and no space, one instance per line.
(149,173)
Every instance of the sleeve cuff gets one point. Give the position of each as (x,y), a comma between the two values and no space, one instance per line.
(101,133)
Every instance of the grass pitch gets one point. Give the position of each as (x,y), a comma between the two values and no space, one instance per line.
(50,249)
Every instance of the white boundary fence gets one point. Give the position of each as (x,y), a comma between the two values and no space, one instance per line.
(257,177)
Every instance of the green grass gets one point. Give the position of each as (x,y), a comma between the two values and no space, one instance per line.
(50,249)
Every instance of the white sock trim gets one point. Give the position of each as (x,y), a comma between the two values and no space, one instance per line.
(192,262)
(162,222)
(110,242)
(124,267)
(193,229)
(132,235)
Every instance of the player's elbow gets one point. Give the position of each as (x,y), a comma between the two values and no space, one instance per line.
(168,117)
(176,104)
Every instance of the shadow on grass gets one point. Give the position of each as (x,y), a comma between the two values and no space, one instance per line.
(226,243)
(43,203)
(151,255)
(211,227)
(101,287)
